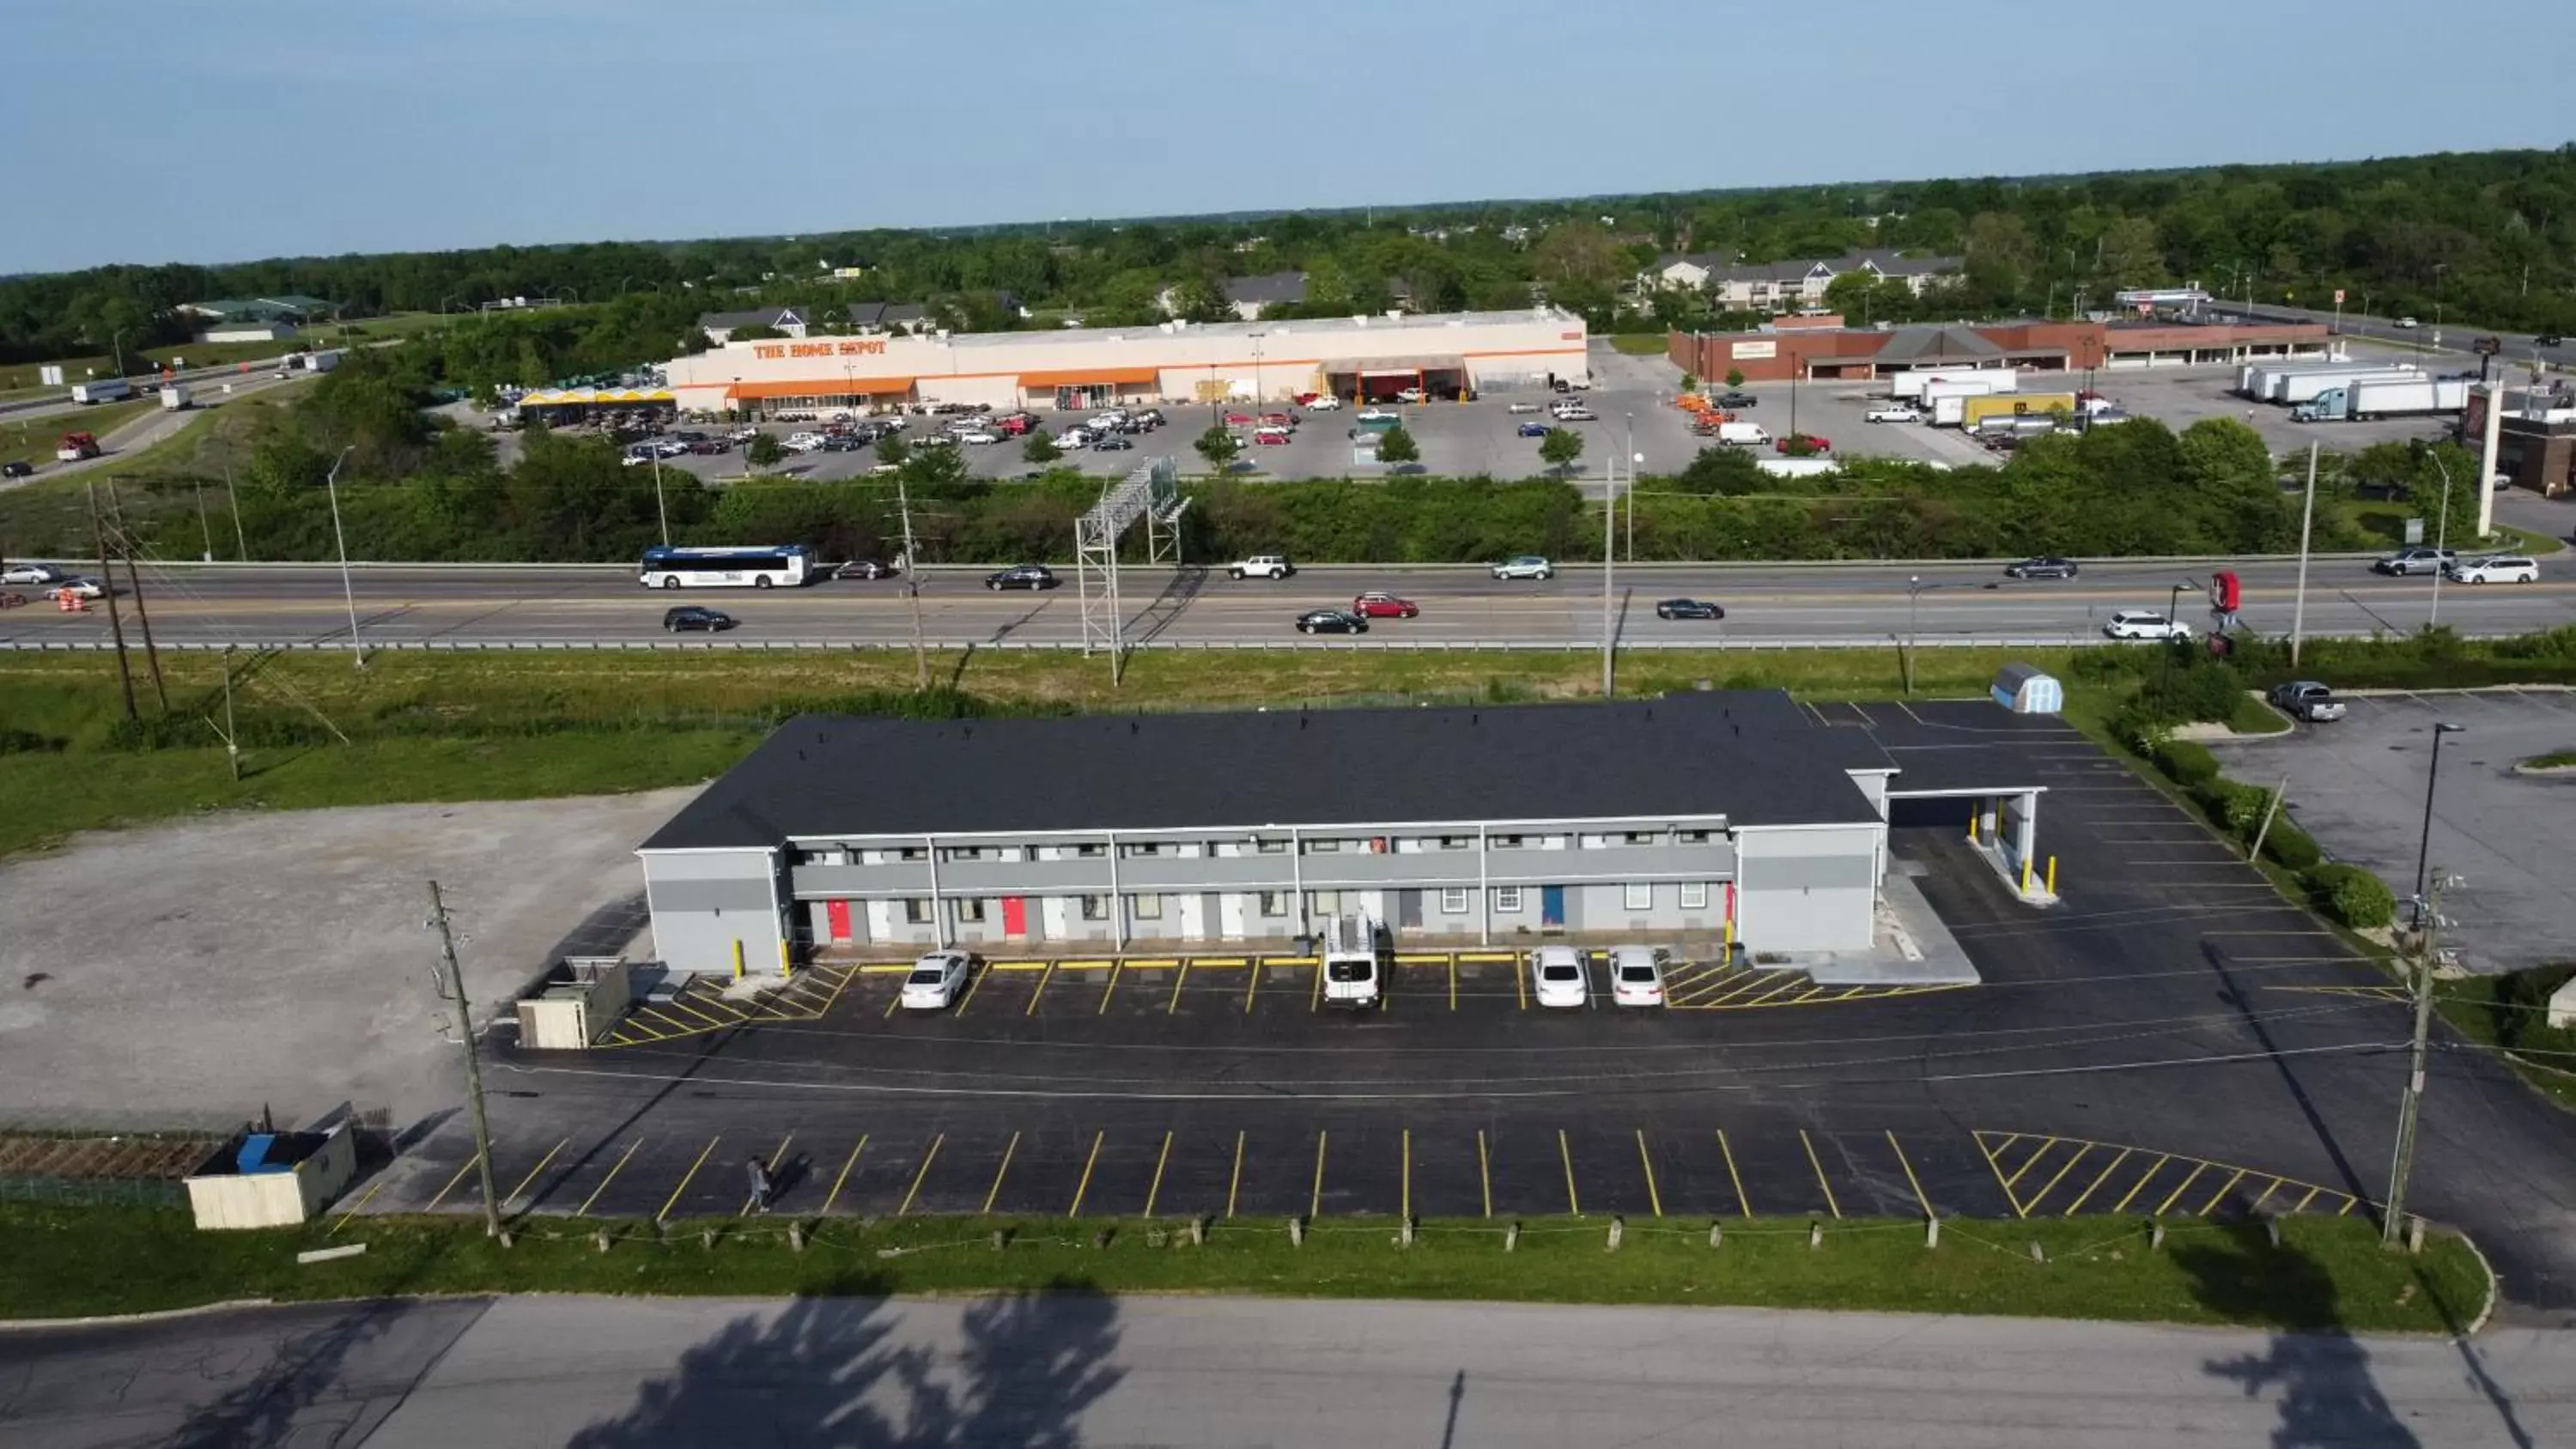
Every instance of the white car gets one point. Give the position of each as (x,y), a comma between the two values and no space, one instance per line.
(83,587)
(978,435)
(935,980)
(2496,569)
(1557,978)
(1522,407)
(1410,395)
(1323,402)
(743,434)
(1525,566)
(1895,413)
(1077,437)
(804,442)
(32,573)
(1379,415)
(2145,624)
(2408,324)
(1636,976)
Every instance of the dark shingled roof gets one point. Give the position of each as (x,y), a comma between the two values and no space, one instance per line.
(1752,756)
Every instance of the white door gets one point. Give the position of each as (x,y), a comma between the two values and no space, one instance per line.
(880,920)
(1229,915)
(1051,918)
(1193,916)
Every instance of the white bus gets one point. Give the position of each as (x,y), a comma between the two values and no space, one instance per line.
(789,565)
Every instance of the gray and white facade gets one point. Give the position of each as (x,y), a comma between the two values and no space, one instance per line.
(1674,818)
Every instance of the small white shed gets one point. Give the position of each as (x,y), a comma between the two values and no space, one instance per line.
(2023,689)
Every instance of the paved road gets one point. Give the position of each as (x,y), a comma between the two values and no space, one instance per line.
(136,433)
(1226,1372)
(2453,336)
(1767,603)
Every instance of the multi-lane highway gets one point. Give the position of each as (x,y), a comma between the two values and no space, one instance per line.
(465,606)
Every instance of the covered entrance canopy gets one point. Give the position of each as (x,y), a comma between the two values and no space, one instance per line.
(1441,374)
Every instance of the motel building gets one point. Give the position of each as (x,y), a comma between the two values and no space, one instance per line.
(1360,358)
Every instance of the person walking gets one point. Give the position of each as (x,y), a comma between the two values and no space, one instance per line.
(761,1187)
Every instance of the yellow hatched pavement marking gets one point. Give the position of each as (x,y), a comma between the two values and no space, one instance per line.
(1743,1204)
(2277,1184)
(1179,978)
(2029,1162)
(1573,1204)
(1818,1164)
(512,1195)
(353,1209)
(2059,1176)
(1484,1172)
(2086,1195)
(468,1166)
(999,1172)
(1154,1193)
(846,1164)
(2197,1169)
(1234,1183)
(673,1200)
(1997,1169)
(1083,1188)
(1911,1180)
(2220,1196)
(2302,1204)
(1315,1201)
(614,1168)
(923,1172)
(1646,1160)
(2141,1184)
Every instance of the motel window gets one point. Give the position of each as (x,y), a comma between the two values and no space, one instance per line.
(970,908)
(1640,897)
(1453,900)
(1504,842)
(1090,852)
(1507,900)
(913,852)
(1690,837)
(1323,847)
(1694,895)
(1457,842)
(1644,837)
(1142,848)
(1274,847)
(1274,903)
(1095,908)
(1326,903)
(1146,908)
(962,852)
(916,910)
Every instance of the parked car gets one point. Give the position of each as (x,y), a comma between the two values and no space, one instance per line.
(1239,420)
(1331,621)
(804,442)
(1271,437)
(1535,429)
(2501,568)
(743,434)
(1734,400)
(1377,415)
(935,980)
(710,447)
(1688,609)
(1894,413)
(866,568)
(1021,576)
(1378,604)
(2045,567)
(688,618)
(1279,420)
(1318,402)
(1079,436)
(1112,443)
(1809,441)
(2308,700)
(1263,566)
(1557,978)
(1577,414)
(2145,624)
(978,436)
(32,573)
(1525,566)
(1411,395)
(1522,407)
(2416,561)
(1636,976)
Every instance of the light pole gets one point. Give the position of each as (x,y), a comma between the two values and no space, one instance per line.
(1914,587)
(2441,542)
(2441,271)
(340,540)
(1609,567)
(1257,393)
(2410,1103)
(1628,444)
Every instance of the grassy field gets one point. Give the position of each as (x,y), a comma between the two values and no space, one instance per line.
(1641,344)
(2328,1273)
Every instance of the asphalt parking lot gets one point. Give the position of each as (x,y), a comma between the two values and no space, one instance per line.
(2358,786)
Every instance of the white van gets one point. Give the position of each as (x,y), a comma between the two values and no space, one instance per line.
(1355,962)
(1743,435)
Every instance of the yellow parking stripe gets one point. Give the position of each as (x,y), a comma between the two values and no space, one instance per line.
(1453,983)
(1484,1172)
(1234,1183)
(2349,1203)
(353,1209)
(1996,1168)
(1743,1204)
(847,1163)
(1405,1198)
(1251,986)
(1155,1192)
(1316,1000)
(673,1200)
(2302,1205)
(972,986)
(512,1195)
(1520,985)
(1179,978)
(1573,1204)
(2140,1185)
(2096,1186)
(1111,989)
(1044,977)
(2050,1186)
(619,1165)
(2196,1170)
(1910,1179)
(915,1190)
(1315,1201)
(1813,1161)
(995,1190)
(2030,1162)
(1083,1188)
(464,1168)
(2277,1184)
(1646,1160)
(2220,1196)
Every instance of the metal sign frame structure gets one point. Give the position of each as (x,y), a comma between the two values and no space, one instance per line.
(1150,494)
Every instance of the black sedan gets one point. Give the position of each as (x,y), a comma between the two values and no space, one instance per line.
(865,568)
(1022,576)
(1689,609)
(2042,568)
(692,616)
(1331,621)
(16,468)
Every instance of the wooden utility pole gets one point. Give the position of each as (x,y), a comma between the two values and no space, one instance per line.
(107,586)
(912,585)
(455,985)
(142,616)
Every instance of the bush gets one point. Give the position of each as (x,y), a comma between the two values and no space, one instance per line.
(2292,847)
(2189,763)
(2353,896)
(2519,1009)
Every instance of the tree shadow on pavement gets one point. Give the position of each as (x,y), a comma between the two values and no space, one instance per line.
(323,1385)
(1018,1374)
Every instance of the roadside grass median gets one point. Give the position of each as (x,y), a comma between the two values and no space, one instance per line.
(2325,1274)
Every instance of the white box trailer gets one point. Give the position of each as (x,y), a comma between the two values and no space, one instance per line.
(101,390)
(2309,385)
(2405,397)
(1908,386)
(1985,384)
(174,396)
(1796,467)
(2262,380)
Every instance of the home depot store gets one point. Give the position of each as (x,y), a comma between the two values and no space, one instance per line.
(1355,358)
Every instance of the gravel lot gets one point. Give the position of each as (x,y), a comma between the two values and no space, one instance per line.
(2357,785)
(188,974)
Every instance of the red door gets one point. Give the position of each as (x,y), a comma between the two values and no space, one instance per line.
(838,912)
(1015,916)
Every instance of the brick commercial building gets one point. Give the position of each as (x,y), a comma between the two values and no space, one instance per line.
(1822,349)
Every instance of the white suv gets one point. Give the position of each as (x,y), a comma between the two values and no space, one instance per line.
(2145,624)
(2502,568)
(1264,566)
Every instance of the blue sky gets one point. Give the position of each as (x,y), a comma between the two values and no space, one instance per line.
(309,126)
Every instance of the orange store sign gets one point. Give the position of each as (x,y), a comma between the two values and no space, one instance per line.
(835,347)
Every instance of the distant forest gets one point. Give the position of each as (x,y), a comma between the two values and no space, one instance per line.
(2486,238)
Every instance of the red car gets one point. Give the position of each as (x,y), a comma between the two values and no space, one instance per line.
(1239,420)
(1378,605)
(1820,445)
(1279,420)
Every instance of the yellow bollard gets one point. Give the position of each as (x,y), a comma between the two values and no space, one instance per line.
(1730,940)
(1973,813)
(737,960)
(2025,875)
(786,959)
(2052,875)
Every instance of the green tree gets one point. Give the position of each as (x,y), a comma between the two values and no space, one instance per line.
(1723,471)
(1040,449)
(1218,446)
(1690,382)
(763,451)
(892,450)
(1560,448)
(1576,251)
(1735,377)
(2446,473)
(2131,254)
(1195,299)
(1396,446)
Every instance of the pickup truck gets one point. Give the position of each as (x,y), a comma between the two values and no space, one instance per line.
(2305,699)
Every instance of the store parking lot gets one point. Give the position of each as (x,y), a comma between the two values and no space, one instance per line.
(2357,785)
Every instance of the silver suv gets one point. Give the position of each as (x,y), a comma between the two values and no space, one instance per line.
(1525,566)
(2415,561)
